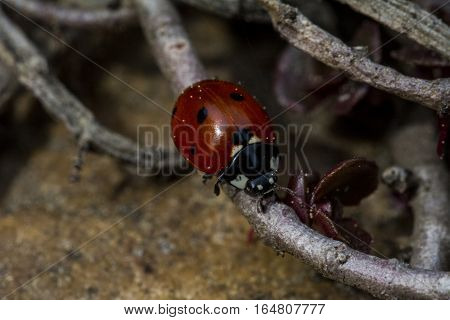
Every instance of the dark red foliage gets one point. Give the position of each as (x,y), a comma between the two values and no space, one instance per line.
(416,55)
(428,64)
(319,203)
(368,39)
(351,231)
(349,182)
(301,185)
(349,95)
(302,83)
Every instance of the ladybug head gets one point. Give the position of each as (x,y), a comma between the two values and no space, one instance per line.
(253,168)
(263,184)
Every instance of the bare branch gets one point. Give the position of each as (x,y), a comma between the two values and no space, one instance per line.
(431,218)
(408,18)
(279,227)
(73,17)
(413,148)
(400,15)
(59,14)
(22,57)
(305,35)
(170,44)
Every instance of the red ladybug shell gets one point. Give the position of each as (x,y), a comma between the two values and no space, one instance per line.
(209,120)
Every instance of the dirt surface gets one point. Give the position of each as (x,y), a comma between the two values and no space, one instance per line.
(139,238)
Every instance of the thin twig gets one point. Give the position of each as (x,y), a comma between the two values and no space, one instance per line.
(63,15)
(170,44)
(305,35)
(406,17)
(73,17)
(280,228)
(413,147)
(22,57)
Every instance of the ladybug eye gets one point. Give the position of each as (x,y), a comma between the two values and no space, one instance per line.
(236,96)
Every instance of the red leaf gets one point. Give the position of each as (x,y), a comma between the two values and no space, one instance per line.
(301,81)
(350,181)
(325,225)
(414,54)
(351,93)
(354,235)
(346,230)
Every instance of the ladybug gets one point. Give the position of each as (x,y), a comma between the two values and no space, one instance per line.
(223,131)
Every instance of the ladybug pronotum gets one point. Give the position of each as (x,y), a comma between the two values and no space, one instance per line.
(222,130)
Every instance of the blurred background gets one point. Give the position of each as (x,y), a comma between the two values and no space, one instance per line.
(187,243)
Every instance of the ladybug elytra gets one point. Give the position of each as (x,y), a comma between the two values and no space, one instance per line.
(222,130)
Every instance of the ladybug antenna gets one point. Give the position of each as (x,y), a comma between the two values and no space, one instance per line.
(291,193)
(287,190)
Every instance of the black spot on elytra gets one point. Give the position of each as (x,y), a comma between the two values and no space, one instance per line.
(174,111)
(201,115)
(192,150)
(242,136)
(236,96)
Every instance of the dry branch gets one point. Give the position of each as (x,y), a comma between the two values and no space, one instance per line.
(413,147)
(279,227)
(170,44)
(303,34)
(73,17)
(406,17)
(63,15)
(400,15)
(21,56)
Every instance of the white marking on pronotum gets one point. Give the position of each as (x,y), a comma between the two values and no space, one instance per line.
(254,139)
(239,182)
(236,149)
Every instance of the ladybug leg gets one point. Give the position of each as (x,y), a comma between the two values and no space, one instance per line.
(217,188)
(217,184)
